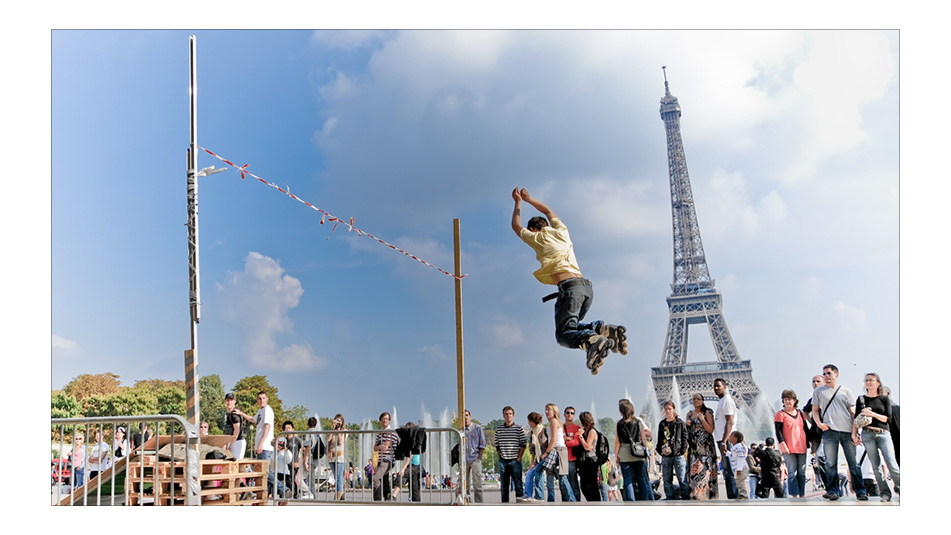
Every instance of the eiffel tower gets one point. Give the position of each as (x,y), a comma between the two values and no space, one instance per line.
(694,298)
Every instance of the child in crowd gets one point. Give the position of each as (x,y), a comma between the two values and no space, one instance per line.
(737,456)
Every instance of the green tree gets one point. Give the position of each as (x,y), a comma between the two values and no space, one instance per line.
(64,405)
(297,414)
(246,396)
(157,385)
(96,405)
(132,401)
(211,403)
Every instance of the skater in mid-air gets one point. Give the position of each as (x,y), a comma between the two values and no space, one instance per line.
(552,245)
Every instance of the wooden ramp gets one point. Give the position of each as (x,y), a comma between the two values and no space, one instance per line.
(79,493)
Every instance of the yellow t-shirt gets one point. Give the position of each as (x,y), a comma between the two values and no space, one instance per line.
(553,249)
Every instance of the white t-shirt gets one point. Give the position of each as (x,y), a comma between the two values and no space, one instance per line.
(99,452)
(263,417)
(283,460)
(725,407)
(737,455)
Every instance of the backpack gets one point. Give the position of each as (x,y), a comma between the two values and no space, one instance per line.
(318,450)
(601,449)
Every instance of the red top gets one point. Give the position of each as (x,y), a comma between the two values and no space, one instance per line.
(794,432)
(572,439)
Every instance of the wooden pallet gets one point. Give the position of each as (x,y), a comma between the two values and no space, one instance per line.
(228,475)
(160,483)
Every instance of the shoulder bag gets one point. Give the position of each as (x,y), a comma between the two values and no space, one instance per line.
(638,450)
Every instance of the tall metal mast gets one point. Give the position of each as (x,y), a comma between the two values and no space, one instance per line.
(193,492)
(194,297)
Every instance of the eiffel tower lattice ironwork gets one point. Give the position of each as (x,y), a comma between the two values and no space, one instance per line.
(694,298)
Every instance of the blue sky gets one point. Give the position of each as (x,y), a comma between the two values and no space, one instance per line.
(791,139)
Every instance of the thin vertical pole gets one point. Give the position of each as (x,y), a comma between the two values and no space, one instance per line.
(194,296)
(193,490)
(460,367)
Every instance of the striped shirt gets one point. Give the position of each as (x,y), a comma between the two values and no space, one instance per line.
(508,440)
(386,453)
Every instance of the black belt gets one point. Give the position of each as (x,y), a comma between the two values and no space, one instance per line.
(564,285)
(875,429)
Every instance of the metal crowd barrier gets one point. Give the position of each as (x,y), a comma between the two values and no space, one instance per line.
(175,482)
(313,481)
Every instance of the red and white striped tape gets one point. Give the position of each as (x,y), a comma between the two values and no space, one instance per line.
(243,169)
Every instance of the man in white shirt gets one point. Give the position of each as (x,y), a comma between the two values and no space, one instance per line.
(263,438)
(723,420)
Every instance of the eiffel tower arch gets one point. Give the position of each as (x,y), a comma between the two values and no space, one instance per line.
(694,298)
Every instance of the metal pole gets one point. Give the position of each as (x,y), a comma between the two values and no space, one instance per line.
(192,496)
(460,367)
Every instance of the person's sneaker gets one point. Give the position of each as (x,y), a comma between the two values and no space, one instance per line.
(522,499)
(887,498)
(831,496)
(618,334)
(597,350)
(862,497)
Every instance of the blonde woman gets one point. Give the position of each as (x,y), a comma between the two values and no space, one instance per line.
(555,458)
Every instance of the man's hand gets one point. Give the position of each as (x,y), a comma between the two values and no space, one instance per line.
(515,196)
(525,195)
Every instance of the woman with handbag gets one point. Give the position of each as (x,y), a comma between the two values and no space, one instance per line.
(555,458)
(631,454)
(702,456)
(589,462)
(790,424)
(875,409)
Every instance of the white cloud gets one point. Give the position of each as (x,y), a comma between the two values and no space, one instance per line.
(258,300)
(433,353)
(851,318)
(843,71)
(506,333)
(727,210)
(64,347)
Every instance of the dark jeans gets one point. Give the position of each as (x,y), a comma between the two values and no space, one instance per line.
(511,471)
(268,456)
(574,298)
(831,440)
(636,484)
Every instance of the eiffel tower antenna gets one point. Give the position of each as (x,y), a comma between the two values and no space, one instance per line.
(693,298)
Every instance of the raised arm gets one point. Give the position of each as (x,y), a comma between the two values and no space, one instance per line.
(539,205)
(517,212)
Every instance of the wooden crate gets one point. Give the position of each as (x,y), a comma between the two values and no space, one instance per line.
(166,483)
(229,475)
